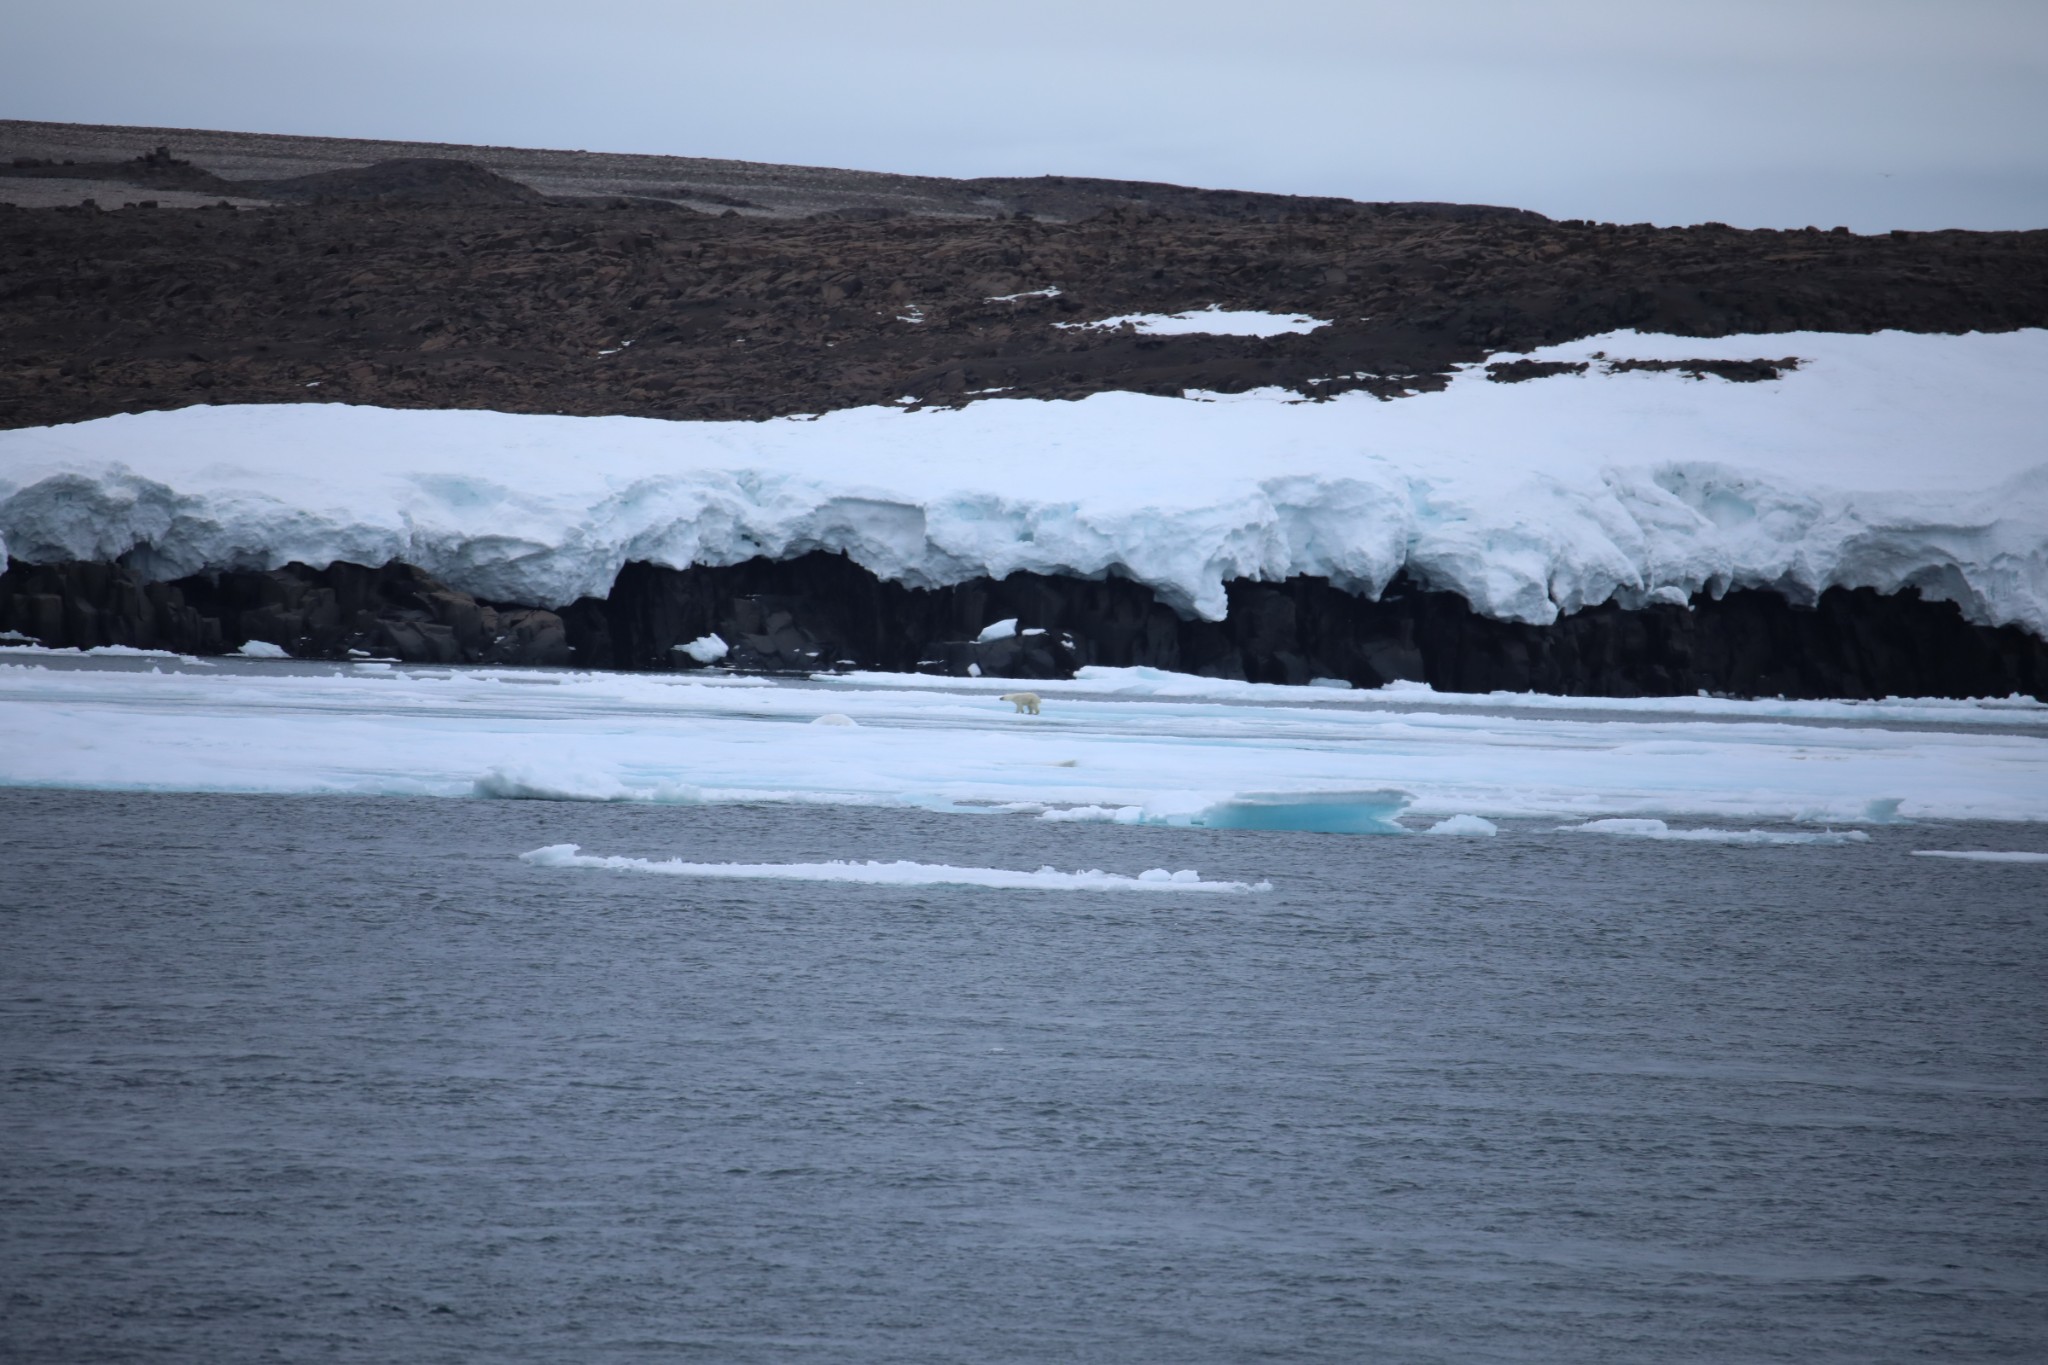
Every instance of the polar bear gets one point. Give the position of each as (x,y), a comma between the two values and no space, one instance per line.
(1023,701)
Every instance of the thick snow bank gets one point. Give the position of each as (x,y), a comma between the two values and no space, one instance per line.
(1881,461)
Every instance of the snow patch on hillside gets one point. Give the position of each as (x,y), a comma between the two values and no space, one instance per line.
(1882,461)
(1213,321)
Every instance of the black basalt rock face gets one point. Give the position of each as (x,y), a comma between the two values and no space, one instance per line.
(822,613)
(342,611)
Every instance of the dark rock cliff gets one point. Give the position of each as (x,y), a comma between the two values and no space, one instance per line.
(823,612)
(395,612)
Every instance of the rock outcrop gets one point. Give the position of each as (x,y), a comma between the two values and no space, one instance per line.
(823,613)
(342,611)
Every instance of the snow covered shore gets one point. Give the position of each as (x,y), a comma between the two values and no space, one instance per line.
(1881,461)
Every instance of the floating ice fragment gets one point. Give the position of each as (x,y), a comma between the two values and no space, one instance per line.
(1465,824)
(1096,815)
(705,649)
(897,873)
(131,652)
(262,649)
(1980,855)
(1657,829)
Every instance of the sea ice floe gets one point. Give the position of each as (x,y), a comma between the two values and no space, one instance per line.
(1133,683)
(1465,825)
(1748,838)
(17,646)
(899,874)
(1095,815)
(1308,759)
(1980,855)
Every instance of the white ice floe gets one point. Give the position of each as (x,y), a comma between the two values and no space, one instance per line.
(1134,683)
(12,647)
(706,649)
(1094,815)
(1657,829)
(263,649)
(1882,461)
(1215,321)
(1316,763)
(1980,855)
(1468,825)
(899,874)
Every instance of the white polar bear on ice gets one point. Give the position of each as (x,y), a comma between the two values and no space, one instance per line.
(1023,701)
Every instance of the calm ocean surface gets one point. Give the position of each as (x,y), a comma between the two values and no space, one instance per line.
(343,1079)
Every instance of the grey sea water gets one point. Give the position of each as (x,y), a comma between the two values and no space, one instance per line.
(343,1079)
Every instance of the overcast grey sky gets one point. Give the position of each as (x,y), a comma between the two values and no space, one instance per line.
(1873,113)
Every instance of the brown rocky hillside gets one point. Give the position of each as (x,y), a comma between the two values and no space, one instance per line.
(451,281)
